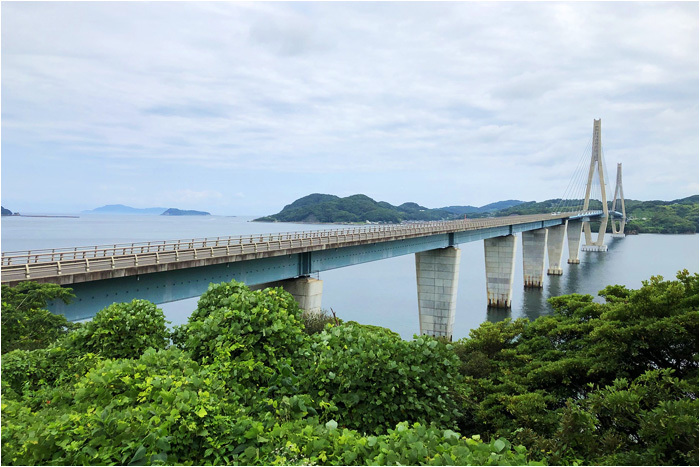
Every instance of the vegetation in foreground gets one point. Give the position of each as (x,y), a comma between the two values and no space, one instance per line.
(247,382)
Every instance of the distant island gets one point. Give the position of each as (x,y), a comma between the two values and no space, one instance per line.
(323,208)
(666,217)
(121,209)
(6,212)
(181,212)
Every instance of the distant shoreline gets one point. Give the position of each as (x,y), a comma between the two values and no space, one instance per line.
(40,215)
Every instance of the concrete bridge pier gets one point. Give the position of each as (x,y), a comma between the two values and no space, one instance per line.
(307,291)
(500,268)
(437,272)
(534,246)
(598,245)
(573,236)
(555,248)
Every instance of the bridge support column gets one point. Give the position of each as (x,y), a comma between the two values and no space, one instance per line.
(573,236)
(598,245)
(307,291)
(500,269)
(437,272)
(534,246)
(555,248)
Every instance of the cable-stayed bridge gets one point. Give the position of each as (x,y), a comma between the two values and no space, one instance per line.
(164,271)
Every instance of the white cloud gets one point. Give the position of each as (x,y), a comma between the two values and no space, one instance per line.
(493,100)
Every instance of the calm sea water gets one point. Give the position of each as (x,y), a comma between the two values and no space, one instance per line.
(384,292)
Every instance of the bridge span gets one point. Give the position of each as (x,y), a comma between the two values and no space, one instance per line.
(166,271)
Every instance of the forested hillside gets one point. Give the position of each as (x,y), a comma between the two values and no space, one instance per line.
(252,380)
(667,217)
(678,216)
(316,208)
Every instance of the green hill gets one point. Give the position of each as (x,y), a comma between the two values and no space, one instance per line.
(677,216)
(667,217)
(318,207)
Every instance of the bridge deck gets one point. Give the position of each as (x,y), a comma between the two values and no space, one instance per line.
(82,264)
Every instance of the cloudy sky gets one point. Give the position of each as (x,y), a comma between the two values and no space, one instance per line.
(241,108)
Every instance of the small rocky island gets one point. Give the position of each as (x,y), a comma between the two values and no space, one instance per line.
(184,212)
(6,212)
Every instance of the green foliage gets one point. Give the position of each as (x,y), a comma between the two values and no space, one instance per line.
(536,382)
(653,327)
(311,443)
(26,324)
(248,334)
(375,380)
(158,408)
(649,421)
(672,217)
(315,322)
(123,330)
(594,383)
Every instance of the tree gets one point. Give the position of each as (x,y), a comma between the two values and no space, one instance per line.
(554,383)
(26,323)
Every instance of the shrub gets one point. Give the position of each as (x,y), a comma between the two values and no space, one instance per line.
(377,380)
(159,408)
(250,335)
(123,330)
(315,322)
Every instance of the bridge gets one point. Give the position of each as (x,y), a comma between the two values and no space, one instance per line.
(164,271)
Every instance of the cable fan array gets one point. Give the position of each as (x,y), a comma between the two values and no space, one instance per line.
(574,197)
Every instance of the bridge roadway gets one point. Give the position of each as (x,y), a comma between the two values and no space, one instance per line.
(164,271)
(67,266)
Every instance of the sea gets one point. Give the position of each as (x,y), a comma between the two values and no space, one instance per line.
(381,293)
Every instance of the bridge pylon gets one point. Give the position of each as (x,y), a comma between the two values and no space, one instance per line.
(618,226)
(596,166)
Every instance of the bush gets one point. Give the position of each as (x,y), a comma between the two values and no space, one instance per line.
(123,330)
(308,442)
(315,322)
(159,408)
(250,335)
(377,380)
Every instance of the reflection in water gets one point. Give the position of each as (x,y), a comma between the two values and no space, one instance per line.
(495,315)
(534,304)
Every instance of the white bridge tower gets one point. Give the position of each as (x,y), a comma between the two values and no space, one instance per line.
(596,166)
(618,226)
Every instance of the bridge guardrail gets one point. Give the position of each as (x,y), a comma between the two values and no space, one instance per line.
(61,254)
(58,262)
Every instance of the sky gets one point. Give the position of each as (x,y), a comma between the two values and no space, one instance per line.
(241,108)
